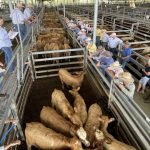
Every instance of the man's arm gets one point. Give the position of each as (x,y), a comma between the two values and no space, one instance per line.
(6,147)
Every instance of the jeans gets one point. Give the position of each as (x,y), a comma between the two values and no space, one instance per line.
(8,56)
(27,26)
(104,44)
(98,42)
(22,30)
(123,62)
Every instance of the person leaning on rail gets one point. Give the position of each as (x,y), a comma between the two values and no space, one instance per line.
(14,143)
(125,54)
(125,82)
(113,42)
(105,37)
(18,20)
(105,61)
(28,13)
(90,46)
(145,78)
(5,45)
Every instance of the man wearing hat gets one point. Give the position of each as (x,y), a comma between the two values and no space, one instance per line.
(98,37)
(113,42)
(105,37)
(126,84)
(90,46)
(82,37)
(125,54)
(5,45)
(105,61)
(145,78)
(19,19)
(28,13)
(115,68)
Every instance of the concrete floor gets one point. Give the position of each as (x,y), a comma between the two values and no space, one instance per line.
(139,99)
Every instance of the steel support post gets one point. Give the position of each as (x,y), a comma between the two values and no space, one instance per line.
(10,6)
(64,10)
(95,21)
(25,1)
(21,45)
(15,115)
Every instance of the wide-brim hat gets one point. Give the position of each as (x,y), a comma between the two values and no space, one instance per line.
(30,5)
(113,34)
(83,30)
(20,5)
(126,76)
(115,64)
(103,30)
(107,54)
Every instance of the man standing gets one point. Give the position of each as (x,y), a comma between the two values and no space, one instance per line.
(5,45)
(28,13)
(125,54)
(113,42)
(19,20)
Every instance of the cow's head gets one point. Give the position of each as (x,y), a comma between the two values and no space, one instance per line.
(81,133)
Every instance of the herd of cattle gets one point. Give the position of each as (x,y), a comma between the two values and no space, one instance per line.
(53,37)
(72,127)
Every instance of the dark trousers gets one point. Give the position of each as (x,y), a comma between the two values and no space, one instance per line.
(22,30)
(114,51)
(104,44)
(98,42)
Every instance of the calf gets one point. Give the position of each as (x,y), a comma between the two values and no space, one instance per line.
(62,105)
(56,122)
(79,105)
(74,81)
(93,122)
(44,138)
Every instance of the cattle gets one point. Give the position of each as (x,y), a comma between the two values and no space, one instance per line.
(74,81)
(62,105)
(45,138)
(93,121)
(53,120)
(111,143)
(79,105)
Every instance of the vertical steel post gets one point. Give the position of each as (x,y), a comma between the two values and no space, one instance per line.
(21,45)
(10,6)
(64,10)
(95,21)
(15,115)
(25,1)
(18,68)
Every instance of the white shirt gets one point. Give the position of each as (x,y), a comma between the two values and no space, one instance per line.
(113,42)
(27,13)
(17,16)
(4,38)
(2,148)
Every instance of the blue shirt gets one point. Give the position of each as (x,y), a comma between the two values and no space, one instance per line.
(126,52)
(106,61)
(83,38)
(17,16)
(27,13)
(4,38)
(114,42)
(105,37)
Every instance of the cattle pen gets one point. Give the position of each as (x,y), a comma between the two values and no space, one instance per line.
(35,75)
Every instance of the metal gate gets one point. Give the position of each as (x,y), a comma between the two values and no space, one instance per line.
(47,63)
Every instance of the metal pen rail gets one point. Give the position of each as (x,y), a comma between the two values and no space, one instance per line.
(14,82)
